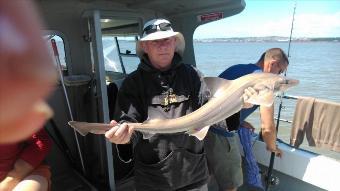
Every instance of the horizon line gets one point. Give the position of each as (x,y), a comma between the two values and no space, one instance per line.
(265,37)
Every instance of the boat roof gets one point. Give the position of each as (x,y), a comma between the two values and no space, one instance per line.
(172,9)
(127,17)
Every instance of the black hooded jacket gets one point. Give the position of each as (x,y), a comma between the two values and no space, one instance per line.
(165,161)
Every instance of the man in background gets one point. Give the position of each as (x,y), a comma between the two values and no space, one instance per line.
(227,160)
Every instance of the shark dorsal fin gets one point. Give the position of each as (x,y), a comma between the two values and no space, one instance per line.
(147,135)
(213,84)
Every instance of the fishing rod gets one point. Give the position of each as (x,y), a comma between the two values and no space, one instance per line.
(269,180)
(59,67)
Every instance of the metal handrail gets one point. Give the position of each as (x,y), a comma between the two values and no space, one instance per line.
(284,120)
(287,97)
(290,97)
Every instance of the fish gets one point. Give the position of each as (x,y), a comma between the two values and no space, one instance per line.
(225,97)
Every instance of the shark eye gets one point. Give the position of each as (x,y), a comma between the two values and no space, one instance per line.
(284,82)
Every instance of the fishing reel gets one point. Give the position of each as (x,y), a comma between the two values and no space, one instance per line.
(270,181)
(273,180)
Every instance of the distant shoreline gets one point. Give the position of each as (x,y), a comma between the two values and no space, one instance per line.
(268,39)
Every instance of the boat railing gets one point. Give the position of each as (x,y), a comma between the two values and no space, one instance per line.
(287,97)
(321,108)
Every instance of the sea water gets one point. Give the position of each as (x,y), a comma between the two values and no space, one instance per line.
(315,64)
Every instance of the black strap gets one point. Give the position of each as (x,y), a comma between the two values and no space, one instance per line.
(59,140)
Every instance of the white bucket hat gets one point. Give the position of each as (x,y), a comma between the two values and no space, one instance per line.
(158,29)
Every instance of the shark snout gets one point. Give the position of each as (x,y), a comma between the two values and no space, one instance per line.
(286,83)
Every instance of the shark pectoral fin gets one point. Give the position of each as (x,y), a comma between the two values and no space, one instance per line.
(147,135)
(200,134)
(82,131)
(79,128)
(264,97)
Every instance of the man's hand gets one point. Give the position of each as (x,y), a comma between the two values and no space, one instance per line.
(277,151)
(248,93)
(119,133)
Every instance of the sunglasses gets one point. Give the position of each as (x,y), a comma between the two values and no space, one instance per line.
(153,28)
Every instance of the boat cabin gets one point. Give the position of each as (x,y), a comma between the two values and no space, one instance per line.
(96,50)
(96,40)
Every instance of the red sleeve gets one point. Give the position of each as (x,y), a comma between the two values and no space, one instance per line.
(36,148)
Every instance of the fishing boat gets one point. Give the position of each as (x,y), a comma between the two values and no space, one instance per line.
(89,36)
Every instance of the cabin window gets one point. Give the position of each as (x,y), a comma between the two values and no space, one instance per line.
(119,37)
(111,55)
(61,51)
(119,56)
(127,47)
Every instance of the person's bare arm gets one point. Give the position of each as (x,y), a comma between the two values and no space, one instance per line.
(268,129)
(32,154)
(20,171)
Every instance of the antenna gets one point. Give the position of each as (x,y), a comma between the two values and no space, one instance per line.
(269,180)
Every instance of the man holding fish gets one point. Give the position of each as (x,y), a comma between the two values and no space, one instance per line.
(162,87)
(162,111)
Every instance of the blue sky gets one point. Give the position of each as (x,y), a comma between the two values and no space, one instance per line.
(313,18)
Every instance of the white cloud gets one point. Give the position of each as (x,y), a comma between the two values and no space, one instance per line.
(305,25)
(314,25)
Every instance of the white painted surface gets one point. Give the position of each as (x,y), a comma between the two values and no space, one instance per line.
(318,170)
